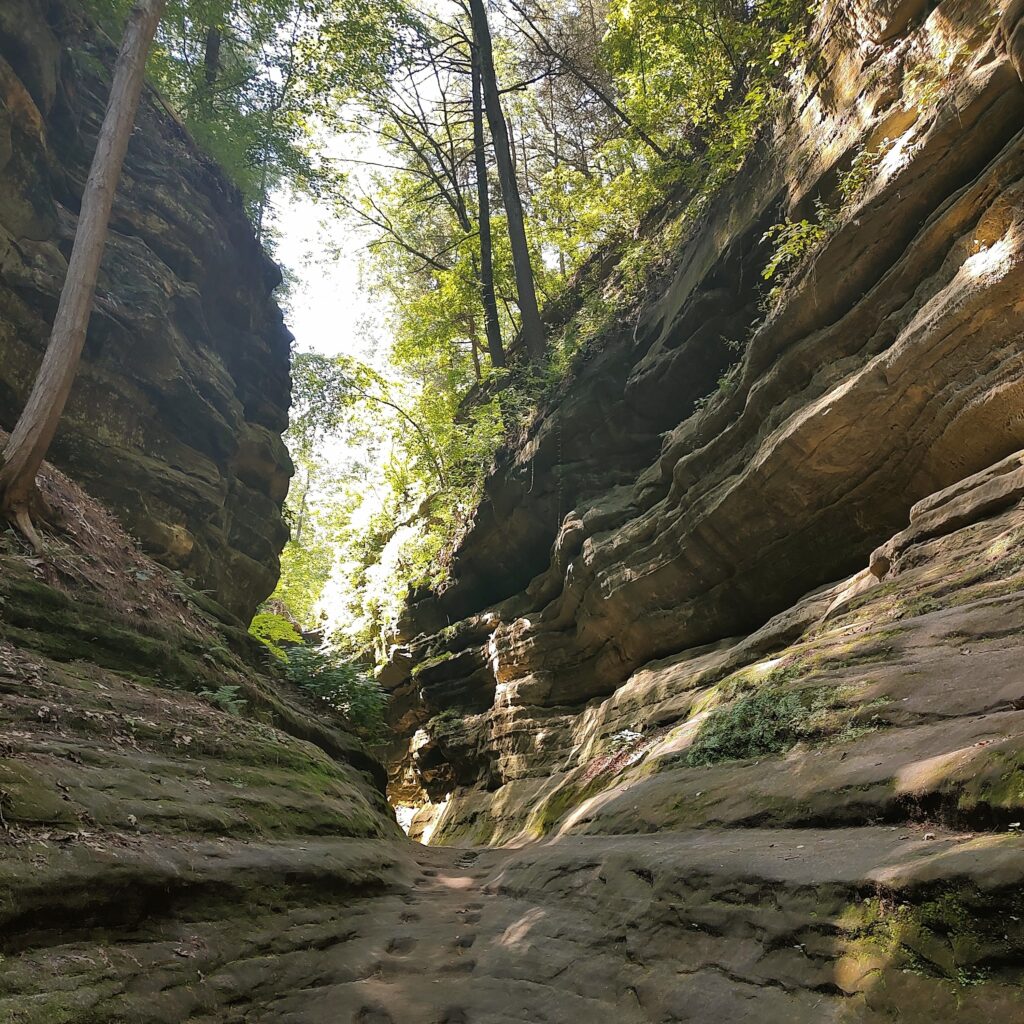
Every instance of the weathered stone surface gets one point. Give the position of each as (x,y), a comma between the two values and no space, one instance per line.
(647,568)
(176,416)
(762,926)
(667,572)
(147,831)
(635,523)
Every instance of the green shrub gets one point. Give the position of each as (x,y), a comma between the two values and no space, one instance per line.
(275,632)
(226,698)
(796,240)
(863,170)
(342,684)
(725,385)
(767,721)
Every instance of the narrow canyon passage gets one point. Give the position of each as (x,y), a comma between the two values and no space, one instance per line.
(705,925)
(167,861)
(688,637)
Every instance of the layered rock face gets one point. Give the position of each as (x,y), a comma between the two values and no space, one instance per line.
(731,656)
(169,812)
(176,415)
(732,672)
(626,645)
(659,504)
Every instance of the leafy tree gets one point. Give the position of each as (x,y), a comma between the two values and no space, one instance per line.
(264,85)
(611,111)
(531,327)
(275,632)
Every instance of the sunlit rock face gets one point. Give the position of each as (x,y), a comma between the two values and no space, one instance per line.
(652,514)
(176,417)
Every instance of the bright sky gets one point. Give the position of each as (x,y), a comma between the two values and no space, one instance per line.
(330,309)
(330,312)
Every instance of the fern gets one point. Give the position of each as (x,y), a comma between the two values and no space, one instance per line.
(226,698)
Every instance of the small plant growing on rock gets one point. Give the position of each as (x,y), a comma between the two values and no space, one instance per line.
(725,385)
(769,720)
(446,722)
(623,738)
(854,183)
(796,240)
(226,698)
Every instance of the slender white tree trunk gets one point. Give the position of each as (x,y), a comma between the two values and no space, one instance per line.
(37,425)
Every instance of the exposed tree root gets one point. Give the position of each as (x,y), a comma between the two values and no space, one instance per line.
(23,521)
(23,512)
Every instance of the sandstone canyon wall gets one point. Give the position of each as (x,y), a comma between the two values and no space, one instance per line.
(167,800)
(645,553)
(176,416)
(725,693)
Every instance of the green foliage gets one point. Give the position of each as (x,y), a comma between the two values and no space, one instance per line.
(957,933)
(344,685)
(275,632)
(306,562)
(863,170)
(676,64)
(630,119)
(446,723)
(226,698)
(726,384)
(767,721)
(926,80)
(265,99)
(796,240)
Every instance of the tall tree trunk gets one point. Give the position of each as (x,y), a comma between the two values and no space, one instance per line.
(532,329)
(211,57)
(557,158)
(492,325)
(36,427)
(474,346)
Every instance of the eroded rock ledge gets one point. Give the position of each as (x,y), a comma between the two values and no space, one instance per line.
(168,809)
(176,417)
(642,528)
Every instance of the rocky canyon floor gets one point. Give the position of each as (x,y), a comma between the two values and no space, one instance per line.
(760,925)
(163,861)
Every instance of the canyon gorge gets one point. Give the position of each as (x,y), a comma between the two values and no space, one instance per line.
(720,714)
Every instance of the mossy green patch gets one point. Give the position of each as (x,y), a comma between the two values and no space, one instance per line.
(775,717)
(45,619)
(426,666)
(550,812)
(28,797)
(958,933)
(447,724)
